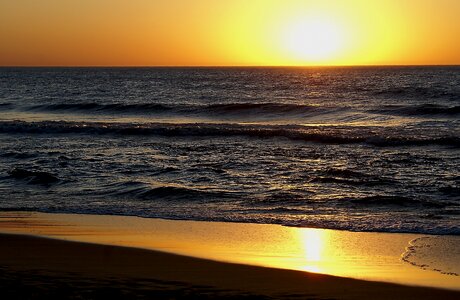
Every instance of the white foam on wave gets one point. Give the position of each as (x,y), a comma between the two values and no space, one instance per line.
(436,253)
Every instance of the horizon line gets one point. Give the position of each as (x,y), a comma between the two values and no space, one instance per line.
(229,66)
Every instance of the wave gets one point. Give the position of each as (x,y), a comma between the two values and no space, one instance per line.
(349,177)
(355,182)
(253,111)
(96,107)
(144,191)
(293,199)
(19,155)
(4,105)
(33,177)
(385,200)
(284,198)
(321,134)
(155,108)
(261,107)
(418,110)
(423,252)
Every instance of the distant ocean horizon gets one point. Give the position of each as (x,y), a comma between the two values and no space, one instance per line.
(360,148)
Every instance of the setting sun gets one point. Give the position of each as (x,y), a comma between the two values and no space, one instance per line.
(313,39)
(229,33)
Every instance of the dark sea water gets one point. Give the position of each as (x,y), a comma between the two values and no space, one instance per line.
(363,149)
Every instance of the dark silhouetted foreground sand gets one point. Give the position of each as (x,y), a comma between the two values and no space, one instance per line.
(39,268)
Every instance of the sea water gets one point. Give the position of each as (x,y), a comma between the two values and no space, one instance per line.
(354,148)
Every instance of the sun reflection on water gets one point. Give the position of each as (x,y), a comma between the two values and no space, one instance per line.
(313,243)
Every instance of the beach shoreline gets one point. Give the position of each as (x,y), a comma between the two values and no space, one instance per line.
(55,267)
(70,244)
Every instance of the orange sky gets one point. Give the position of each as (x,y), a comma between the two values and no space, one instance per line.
(230,32)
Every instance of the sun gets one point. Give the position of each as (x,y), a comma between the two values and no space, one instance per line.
(312,39)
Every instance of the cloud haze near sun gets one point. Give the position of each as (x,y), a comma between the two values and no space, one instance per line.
(232,32)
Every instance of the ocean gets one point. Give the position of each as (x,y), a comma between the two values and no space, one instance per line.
(352,148)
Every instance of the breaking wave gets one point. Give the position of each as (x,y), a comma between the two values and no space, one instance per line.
(321,134)
(33,177)
(155,108)
(419,110)
(144,191)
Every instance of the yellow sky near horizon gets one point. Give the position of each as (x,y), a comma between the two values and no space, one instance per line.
(230,32)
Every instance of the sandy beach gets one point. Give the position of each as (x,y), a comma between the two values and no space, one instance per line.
(45,268)
(35,266)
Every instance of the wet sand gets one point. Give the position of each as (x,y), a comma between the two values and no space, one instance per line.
(38,268)
(43,268)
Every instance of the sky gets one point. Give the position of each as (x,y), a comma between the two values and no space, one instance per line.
(229,32)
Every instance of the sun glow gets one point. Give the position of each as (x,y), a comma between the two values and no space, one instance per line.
(314,39)
(229,33)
